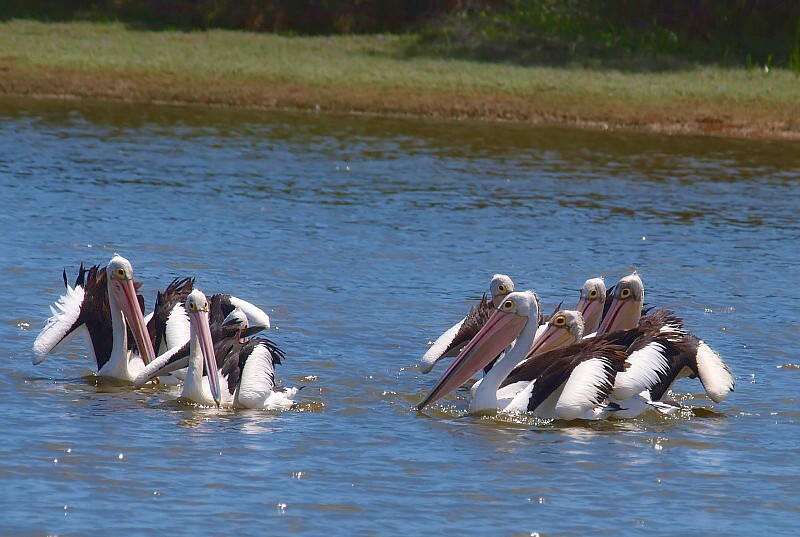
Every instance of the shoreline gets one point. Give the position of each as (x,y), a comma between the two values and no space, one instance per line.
(366,75)
(447,106)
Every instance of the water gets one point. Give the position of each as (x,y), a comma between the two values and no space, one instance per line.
(365,238)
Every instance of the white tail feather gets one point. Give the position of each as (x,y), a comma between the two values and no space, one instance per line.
(715,375)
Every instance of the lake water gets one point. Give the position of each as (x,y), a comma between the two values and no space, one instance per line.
(364,238)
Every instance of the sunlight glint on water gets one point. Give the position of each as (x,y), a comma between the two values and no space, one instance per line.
(364,239)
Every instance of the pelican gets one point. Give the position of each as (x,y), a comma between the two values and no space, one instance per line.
(591,303)
(649,348)
(170,322)
(216,349)
(454,339)
(564,385)
(99,299)
(625,308)
(646,349)
(228,316)
(690,355)
(564,328)
(169,326)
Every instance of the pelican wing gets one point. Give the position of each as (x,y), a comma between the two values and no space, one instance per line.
(252,371)
(171,360)
(696,359)
(646,367)
(454,339)
(588,385)
(169,324)
(85,305)
(654,355)
(553,370)
(61,325)
(684,354)
(227,303)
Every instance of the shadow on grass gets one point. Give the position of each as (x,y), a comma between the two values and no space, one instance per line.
(471,41)
(551,53)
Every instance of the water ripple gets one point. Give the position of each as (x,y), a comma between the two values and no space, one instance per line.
(364,238)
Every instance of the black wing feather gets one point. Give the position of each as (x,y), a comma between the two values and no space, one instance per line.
(474,321)
(552,369)
(175,293)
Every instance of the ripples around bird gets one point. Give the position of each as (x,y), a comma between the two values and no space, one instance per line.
(364,238)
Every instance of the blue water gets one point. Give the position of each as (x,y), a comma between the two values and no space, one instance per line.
(364,239)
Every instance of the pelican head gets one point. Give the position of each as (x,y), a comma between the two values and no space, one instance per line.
(237,319)
(626,305)
(122,292)
(500,286)
(564,328)
(198,308)
(591,303)
(503,327)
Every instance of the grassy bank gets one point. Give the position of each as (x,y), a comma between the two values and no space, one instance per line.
(377,74)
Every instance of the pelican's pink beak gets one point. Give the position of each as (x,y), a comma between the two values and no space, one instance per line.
(125,295)
(592,311)
(498,332)
(201,328)
(621,315)
(553,337)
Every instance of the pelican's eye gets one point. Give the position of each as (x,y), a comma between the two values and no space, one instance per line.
(192,306)
(625,293)
(120,273)
(560,321)
(593,294)
(508,305)
(501,288)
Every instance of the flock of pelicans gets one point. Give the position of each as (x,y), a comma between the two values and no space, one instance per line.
(608,358)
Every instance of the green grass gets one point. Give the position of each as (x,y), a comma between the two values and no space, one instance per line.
(383,62)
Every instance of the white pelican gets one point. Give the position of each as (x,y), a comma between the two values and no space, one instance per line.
(564,385)
(564,328)
(169,326)
(688,355)
(247,367)
(454,339)
(102,306)
(625,308)
(645,348)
